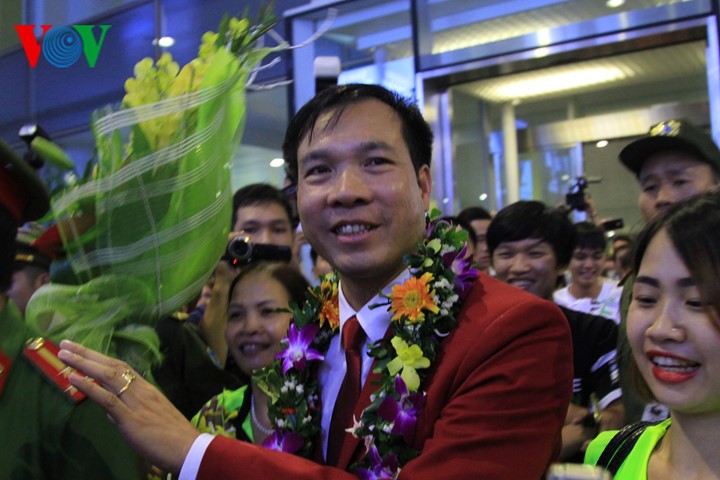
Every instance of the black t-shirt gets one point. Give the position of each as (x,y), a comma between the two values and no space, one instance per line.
(594,358)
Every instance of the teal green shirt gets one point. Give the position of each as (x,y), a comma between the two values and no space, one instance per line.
(221,415)
(635,465)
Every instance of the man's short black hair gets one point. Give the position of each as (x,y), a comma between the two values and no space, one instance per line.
(258,193)
(415,130)
(590,236)
(470,214)
(532,219)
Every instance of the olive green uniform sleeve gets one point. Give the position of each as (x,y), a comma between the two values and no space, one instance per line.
(43,434)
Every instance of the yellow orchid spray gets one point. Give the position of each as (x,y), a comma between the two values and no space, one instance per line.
(409,359)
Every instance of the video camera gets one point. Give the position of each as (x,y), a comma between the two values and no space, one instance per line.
(241,251)
(575,198)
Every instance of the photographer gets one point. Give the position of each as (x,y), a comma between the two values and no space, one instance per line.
(261,215)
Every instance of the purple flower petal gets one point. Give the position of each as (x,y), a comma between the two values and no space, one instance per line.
(465,273)
(389,409)
(403,413)
(289,442)
(405,424)
(380,468)
(298,352)
(400,386)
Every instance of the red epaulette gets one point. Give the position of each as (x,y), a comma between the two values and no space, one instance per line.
(42,353)
(5,364)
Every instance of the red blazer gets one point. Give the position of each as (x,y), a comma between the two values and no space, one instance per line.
(496,401)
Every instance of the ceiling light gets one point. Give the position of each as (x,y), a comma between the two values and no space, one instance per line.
(614,3)
(164,42)
(483,197)
(277,162)
(555,82)
(602,144)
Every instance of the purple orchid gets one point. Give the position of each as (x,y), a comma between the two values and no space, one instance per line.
(465,273)
(431,226)
(298,351)
(380,468)
(289,442)
(403,412)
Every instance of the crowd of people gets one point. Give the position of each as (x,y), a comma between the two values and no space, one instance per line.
(537,351)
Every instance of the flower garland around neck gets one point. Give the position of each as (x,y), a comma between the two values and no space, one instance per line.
(424,311)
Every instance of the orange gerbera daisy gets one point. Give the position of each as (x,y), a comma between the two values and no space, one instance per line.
(330,310)
(413,297)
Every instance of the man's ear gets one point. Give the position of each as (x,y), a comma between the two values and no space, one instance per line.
(42,279)
(425,183)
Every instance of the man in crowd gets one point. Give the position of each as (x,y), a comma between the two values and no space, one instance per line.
(47,429)
(501,382)
(479,220)
(261,214)
(674,161)
(531,246)
(589,290)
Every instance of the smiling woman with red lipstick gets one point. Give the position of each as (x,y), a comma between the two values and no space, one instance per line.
(674,331)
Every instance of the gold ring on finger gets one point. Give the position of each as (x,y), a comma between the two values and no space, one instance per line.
(128,377)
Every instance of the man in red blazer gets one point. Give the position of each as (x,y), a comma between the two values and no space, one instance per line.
(499,388)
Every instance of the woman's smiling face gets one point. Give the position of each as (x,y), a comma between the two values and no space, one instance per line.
(255,323)
(675,342)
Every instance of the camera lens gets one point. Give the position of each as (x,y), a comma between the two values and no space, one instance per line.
(240,249)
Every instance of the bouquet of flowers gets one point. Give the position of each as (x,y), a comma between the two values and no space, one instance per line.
(146,225)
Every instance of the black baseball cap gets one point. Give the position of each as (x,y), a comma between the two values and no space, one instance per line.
(27,255)
(675,135)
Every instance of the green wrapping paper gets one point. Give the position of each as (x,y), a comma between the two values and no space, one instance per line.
(145,231)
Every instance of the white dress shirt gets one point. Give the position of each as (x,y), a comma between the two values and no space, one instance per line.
(374,321)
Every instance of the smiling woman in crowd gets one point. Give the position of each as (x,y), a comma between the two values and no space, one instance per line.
(258,319)
(674,331)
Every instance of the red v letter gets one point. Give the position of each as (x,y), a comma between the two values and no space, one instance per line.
(30,44)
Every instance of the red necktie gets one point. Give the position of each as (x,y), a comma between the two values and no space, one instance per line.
(353,340)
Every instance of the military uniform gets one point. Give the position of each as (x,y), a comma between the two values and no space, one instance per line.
(44,434)
(46,430)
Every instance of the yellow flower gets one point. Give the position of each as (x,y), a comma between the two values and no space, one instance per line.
(412,297)
(434,245)
(207,45)
(409,359)
(330,310)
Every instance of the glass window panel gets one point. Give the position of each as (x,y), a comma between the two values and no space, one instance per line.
(372,39)
(68,12)
(452,31)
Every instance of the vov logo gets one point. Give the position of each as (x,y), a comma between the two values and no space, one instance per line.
(62,46)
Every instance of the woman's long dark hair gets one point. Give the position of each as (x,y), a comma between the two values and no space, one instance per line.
(288,276)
